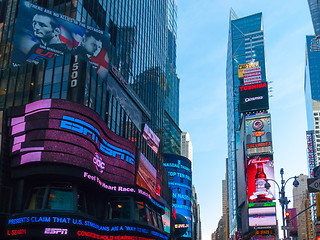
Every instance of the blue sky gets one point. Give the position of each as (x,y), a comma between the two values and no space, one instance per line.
(201,62)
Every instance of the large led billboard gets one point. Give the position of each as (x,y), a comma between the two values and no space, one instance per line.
(260,168)
(253,97)
(241,67)
(147,176)
(258,134)
(42,34)
(152,139)
(180,181)
(60,131)
(262,216)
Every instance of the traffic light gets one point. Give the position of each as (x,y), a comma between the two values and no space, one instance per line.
(287,218)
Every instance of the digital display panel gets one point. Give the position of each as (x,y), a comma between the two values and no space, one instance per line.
(166,220)
(60,131)
(42,34)
(253,97)
(262,216)
(77,227)
(259,169)
(152,139)
(251,75)
(180,181)
(241,67)
(147,176)
(258,134)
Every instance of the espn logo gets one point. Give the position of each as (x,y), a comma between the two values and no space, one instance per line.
(56,231)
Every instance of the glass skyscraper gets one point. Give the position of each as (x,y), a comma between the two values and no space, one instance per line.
(140,89)
(245,45)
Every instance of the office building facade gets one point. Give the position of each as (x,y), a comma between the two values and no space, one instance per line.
(250,154)
(101,125)
(301,200)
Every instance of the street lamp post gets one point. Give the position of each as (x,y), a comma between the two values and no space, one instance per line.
(283,200)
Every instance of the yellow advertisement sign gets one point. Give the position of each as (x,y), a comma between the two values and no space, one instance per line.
(244,66)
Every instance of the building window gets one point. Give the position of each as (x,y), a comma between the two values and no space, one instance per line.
(170,178)
(174,200)
(181,180)
(60,199)
(175,169)
(179,190)
(187,192)
(184,202)
(119,209)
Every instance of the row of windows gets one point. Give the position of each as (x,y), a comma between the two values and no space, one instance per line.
(67,197)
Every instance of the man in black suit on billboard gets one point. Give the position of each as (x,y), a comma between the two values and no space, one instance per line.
(89,46)
(47,30)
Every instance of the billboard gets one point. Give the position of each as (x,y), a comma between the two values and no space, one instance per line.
(262,216)
(258,134)
(71,226)
(166,220)
(42,34)
(60,131)
(179,170)
(253,97)
(251,75)
(259,169)
(151,138)
(147,176)
(241,67)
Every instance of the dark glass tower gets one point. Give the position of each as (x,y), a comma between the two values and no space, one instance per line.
(132,94)
(245,45)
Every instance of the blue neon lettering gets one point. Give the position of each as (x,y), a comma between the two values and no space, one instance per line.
(84,128)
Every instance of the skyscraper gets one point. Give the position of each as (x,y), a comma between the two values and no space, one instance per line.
(312,91)
(245,45)
(186,146)
(250,154)
(301,200)
(90,80)
(314,7)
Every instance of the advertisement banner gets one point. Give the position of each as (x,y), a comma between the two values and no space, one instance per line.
(72,226)
(260,168)
(60,131)
(152,139)
(147,176)
(245,66)
(262,216)
(252,75)
(253,97)
(258,134)
(42,34)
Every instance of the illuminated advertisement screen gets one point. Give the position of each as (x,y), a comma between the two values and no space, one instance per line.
(166,220)
(258,134)
(42,34)
(262,216)
(180,181)
(60,131)
(241,67)
(152,139)
(147,176)
(259,169)
(253,97)
(77,227)
(252,75)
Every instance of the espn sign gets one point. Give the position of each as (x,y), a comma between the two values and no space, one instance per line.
(56,231)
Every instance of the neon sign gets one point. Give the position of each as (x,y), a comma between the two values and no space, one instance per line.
(85,128)
(70,133)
